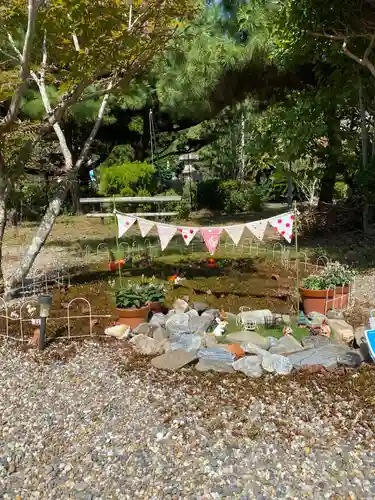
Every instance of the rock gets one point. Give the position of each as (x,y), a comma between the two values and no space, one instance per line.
(261,316)
(144,329)
(342,330)
(158,319)
(159,334)
(246,337)
(142,344)
(185,341)
(174,360)
(325,355)
(209,340)
(272,341)
(216,354)
(118,331)
(205,365)
(177,324)
(180,306)
(332,314)
(254,349)
(312,341)
(286,344)
(286,319)
(200,324)
(212,313)
(82,486)
(200,307)
(276,363)
(249,365)
(193,313)
(350,359)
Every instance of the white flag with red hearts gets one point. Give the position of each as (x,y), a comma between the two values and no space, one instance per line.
(124,223)
(235,232)
(145,226)
(258,228)
(166,233)
(283,224)
(187,233)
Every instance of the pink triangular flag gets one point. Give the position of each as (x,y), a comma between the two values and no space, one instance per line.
(166,233)
(124,223)
(283,224)
(187,233)
(211,237)
(235,232)
(145,226)
(258,227)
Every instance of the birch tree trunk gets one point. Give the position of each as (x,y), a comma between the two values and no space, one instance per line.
(3,214)
(55,205)
(364,140)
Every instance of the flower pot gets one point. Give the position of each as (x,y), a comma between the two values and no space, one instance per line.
(322,301)
(132,317)
(157,307)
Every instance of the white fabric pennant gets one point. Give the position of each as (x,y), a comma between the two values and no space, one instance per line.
(283,224)
(235,232)
(187,233)
(166,233)
(145,226)
(258,228)
(124,223)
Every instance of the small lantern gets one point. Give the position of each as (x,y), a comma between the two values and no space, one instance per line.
(45,304)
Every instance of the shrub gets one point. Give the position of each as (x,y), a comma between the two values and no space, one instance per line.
(127,178)
(208,195)
(333,275)
(340,191)
(243,196)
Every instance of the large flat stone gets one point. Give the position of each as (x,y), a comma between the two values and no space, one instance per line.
(147,346)
(200,324)
(342,330)
(286,345)
(173,360)
(245,337)
(314,341)
(325,356)
(205,365)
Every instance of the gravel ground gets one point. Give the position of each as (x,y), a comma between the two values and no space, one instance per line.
(92,421)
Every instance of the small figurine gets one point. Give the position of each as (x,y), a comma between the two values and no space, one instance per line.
(287,330)
(220,328)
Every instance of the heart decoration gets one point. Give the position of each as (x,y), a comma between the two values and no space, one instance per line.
(283,224)
(187,233)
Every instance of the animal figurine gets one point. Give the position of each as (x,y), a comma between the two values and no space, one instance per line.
(287,330)
(219,330)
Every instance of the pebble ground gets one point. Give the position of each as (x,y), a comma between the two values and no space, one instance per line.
(91,421)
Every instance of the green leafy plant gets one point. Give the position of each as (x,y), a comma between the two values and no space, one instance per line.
(334,274)
(137,295)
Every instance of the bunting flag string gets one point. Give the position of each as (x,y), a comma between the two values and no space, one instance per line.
(235,232)
(166,233)
(188,233)
(145,226)
(211,237)
(283,225)
(258,228)
(124,223)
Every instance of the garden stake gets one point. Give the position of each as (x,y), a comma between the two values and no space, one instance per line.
(297,256)
(117,243)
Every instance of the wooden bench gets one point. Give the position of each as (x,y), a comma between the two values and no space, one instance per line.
(114,201)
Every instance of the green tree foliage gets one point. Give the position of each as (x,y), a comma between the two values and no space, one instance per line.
(128,179)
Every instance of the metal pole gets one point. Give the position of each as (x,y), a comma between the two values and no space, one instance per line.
(42,335)
(297,254)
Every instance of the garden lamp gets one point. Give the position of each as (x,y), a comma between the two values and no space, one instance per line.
(45,304)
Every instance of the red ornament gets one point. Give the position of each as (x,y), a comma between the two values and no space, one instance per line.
(180,230)
(280,221)
(283,232)
(185,236)
(127,223)
(292,217)
(191,231)
(287,224)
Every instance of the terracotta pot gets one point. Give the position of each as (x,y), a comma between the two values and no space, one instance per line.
(322,301)
(132,317)
(157,307)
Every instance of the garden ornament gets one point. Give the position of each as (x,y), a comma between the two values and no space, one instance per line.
(220,328)
(248,325)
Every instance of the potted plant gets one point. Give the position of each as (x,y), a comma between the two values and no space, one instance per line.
(133,301)
(328,289)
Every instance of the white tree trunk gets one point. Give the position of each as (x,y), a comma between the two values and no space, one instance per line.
(55,205)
